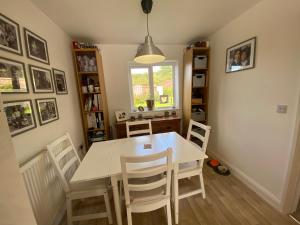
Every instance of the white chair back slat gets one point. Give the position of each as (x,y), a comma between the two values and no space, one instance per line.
(161,180)
(65,158)
(64,153)
(68,165)
(141,131)
(148,186)
(199,136)
(146,173)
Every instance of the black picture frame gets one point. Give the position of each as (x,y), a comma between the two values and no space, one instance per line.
(60,82)
(18,120)
(241,56)
(6,26)
(44,115)
(36,47)
(45,79)
(6,70)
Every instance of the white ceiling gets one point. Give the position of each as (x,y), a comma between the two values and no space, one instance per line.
(123,21)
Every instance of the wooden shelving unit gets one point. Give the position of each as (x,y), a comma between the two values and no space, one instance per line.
(191,93)
(93,103)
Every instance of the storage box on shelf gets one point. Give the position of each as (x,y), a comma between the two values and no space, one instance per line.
(92,95)
(196,85)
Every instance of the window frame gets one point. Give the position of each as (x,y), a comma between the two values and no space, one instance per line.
(172,63)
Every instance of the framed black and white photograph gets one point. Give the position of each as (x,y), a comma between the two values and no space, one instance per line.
(12,76)
(47,110)
(41,79)
(36,47)
(121,116)
(20,116)
(241,56)
(60,81)
(10,39)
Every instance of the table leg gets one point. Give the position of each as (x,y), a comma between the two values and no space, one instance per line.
(114,183)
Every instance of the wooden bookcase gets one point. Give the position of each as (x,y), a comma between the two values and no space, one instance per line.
(92,95)
(195,98)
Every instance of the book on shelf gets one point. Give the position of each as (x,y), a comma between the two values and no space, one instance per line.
(93,103)
(95,121)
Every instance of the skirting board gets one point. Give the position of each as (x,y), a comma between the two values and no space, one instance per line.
(252,184)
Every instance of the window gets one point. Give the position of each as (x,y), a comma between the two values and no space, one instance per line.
(155,82)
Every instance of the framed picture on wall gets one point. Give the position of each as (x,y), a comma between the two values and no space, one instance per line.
(47,110)
(36,47)
(60,81)
(241,56)
(41,79)
(12,76)
(20,116)
(10,39)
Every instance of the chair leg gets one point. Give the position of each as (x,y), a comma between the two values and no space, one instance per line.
(175,197)
(69,211)
(108,209)
(169,216)
(129,217)
(202,185)
(121,192)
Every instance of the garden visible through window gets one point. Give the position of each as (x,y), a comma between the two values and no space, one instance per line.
(154,82)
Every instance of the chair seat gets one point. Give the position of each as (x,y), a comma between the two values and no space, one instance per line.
(189,169)
(89,185)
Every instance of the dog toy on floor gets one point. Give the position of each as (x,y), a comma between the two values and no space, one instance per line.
(218,167)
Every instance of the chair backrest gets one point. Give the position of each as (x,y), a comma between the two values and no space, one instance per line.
(65,159)
(162,173)
(201,133)
(146,123)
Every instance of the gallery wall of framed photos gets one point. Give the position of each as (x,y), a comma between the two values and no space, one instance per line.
(37,80)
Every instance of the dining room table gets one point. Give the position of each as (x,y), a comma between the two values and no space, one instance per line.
(103,158)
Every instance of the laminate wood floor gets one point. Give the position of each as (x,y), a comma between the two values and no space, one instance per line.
(228,202)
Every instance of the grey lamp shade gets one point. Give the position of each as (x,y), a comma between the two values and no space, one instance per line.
(148,53)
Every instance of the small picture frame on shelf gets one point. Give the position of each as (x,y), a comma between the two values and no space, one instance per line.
(10,38)
(47,110)
(60,82)
(13,77)
(20,116)
(41,79)
(36,47)
(241,56)
(121,116)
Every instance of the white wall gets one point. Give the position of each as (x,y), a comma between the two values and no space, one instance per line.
(247,133)
(115,63)
(59,47)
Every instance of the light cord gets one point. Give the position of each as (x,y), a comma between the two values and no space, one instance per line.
(147,25)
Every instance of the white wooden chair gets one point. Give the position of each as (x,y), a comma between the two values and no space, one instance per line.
(187,170)
(138,123)
(66,160)
(141,196)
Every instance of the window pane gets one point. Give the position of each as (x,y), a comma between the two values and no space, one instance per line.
(140,86)
(163,86)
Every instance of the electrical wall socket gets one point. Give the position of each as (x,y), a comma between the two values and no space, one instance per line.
(281,108)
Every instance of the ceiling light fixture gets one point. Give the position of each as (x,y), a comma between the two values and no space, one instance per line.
(148,53)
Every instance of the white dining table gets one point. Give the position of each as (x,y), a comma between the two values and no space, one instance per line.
(103,158)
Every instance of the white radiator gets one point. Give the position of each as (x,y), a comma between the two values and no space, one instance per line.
(44,189)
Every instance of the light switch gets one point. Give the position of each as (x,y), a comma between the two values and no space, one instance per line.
(282,108)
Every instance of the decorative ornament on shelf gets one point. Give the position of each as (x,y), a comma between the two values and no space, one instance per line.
(148,53)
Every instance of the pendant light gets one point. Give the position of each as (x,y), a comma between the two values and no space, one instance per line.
(148,53)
